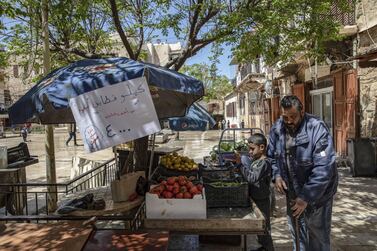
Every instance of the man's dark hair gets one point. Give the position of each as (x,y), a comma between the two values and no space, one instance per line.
(257,139)
(291,101)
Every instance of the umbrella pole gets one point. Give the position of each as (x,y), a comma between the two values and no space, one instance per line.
(50,168)
(152,155)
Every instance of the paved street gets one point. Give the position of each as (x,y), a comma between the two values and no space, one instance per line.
(355,206)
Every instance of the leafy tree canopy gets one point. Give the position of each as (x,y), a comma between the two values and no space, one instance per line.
(81,29)
(216,87)
(277,30)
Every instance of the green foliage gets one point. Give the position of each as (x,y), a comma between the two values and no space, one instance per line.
(219,89)
(216,87)
(279,29)
(199,71)
(81,29)
(4,56)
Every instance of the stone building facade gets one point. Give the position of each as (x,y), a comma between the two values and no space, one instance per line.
(366,20)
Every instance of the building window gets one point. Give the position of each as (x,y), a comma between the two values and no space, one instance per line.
(252,108)
(242,105)
(15,71)
(322,105)
(231,109)
(257,66)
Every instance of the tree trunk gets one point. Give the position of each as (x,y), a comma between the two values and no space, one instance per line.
(49,143)
(141,154)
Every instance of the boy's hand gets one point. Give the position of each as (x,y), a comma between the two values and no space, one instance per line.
(280,185)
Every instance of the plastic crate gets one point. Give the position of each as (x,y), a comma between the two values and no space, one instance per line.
(169,172)
(213,166)
(224,173)
(235,196)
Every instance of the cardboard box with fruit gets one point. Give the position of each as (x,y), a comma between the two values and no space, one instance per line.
(176,198)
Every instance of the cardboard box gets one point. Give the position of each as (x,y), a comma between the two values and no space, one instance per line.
(121,189)
(195,208)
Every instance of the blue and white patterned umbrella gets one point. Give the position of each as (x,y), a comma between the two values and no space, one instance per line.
(196,119)
(47,102)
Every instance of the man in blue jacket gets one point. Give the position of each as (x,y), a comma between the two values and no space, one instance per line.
(303,168)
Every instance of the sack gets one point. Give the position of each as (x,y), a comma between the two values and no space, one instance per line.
(121,189)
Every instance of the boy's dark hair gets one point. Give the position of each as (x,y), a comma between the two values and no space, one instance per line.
(291,101)
(257,139)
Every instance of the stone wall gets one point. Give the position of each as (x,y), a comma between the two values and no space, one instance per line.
(366,14)
(368,87)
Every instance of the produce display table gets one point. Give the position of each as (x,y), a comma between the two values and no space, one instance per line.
(102,193)
(219,221)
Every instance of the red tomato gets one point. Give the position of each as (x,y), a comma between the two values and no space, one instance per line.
(194,190)
(171,180)
(189,185)
(175,190)
(169,188)
(187,195)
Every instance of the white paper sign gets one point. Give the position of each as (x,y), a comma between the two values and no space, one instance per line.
(115,114)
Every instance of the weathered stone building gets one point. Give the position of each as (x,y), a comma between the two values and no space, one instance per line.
(366,20)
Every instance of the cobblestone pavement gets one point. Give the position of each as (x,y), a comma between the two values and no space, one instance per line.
(354,224)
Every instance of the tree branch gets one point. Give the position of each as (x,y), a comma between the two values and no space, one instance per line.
(80,53)
(141,29)
(118,26)
(193,21)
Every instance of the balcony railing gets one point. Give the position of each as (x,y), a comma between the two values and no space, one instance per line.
(344,17)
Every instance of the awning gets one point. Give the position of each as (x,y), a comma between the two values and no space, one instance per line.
(367,58)
(251,82)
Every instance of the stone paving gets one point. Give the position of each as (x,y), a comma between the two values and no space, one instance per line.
(355,206)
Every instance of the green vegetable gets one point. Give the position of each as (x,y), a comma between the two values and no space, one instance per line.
(242,146)
(213,155)
(226,184)
(226,147)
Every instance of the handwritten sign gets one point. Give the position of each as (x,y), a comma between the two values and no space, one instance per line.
(115,114)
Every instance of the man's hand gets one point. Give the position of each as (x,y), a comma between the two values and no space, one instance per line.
(280,185)
(298,207)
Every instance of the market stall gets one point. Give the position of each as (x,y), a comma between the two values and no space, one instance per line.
(190,198)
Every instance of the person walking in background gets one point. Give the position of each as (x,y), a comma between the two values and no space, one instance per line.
(304,169)
(72,134)
(223,122)
(228,124)
(24,133)
(28,127)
